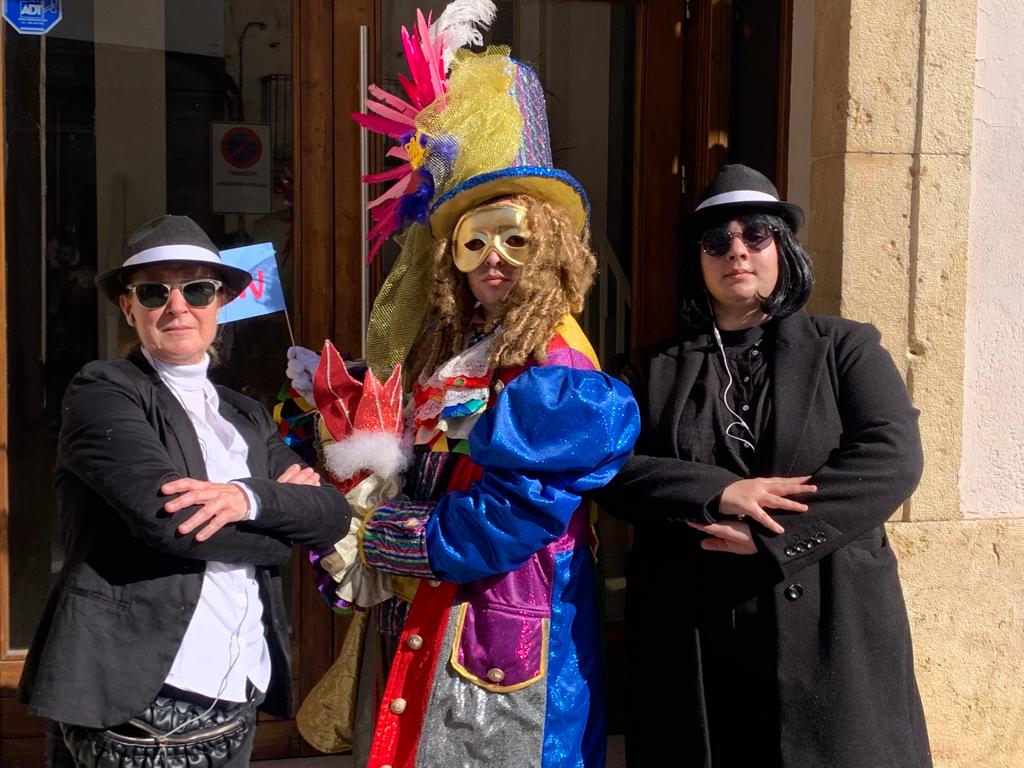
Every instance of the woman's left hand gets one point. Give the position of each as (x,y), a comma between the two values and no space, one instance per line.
(299,475)
(732,536)
(219,504)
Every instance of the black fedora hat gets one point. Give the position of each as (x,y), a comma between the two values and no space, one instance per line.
(736,191)
(170,240)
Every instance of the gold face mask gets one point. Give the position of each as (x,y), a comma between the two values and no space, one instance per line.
(500,227)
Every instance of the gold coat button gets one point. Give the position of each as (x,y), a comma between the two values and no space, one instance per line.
(498,386)
(414,641)
(412,522)
(397,706)
(495,675)
(434,583)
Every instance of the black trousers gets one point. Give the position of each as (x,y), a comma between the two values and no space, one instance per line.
(57,753)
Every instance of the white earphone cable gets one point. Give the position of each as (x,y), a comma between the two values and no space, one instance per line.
(739,422)
(234,643)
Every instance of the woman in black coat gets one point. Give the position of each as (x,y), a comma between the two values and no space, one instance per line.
(765,621)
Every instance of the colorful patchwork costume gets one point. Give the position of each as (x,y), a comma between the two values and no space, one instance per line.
(499,660)
(511,423)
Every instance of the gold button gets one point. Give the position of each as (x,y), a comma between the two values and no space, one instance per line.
(495,675)
(412,522)
(434,583)
(397,706)
(414,641)
(498,386)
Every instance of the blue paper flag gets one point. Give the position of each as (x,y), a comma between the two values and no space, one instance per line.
(264,295)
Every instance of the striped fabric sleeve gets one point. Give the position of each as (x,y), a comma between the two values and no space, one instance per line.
(392,538)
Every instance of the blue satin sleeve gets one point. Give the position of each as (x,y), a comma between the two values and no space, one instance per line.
(554,434)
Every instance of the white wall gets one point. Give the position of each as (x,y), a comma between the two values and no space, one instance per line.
(992,470)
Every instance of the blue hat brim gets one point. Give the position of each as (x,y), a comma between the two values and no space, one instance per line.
(550,184)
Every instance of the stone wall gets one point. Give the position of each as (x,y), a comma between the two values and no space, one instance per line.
(911,181)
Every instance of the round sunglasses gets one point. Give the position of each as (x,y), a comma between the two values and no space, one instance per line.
(717,242)
(197,293)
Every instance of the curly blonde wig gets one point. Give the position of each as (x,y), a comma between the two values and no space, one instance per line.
(553,283)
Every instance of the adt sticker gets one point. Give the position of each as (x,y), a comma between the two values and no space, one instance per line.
(32,17)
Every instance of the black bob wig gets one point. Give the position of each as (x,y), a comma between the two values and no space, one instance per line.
(791,291)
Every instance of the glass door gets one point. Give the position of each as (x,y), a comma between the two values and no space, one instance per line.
(123,112)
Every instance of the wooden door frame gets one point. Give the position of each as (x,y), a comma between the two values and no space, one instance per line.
(10,662)
(658,166)
(330,218)
(674,161)
(326,65)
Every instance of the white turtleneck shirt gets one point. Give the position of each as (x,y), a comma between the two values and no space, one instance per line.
(224,645)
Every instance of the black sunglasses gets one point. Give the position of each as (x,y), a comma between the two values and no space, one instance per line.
(716,242)
(198,293)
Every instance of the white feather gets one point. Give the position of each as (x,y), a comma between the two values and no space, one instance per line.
(462,23)
(376,451)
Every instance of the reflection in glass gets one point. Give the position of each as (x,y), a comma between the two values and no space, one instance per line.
(108,124)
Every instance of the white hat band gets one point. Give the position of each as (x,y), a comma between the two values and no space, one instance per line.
(172,253)
(738,196)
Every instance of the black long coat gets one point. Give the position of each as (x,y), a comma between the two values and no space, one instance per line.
(130,583)
(840,641)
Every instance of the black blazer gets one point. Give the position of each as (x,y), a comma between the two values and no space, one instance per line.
(847,696)
(130,583)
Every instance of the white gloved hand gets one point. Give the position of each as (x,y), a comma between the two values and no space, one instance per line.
(302,364)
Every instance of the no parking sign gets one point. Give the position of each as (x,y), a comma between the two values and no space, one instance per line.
(240,167)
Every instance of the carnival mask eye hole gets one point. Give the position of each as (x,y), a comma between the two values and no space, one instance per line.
(476,244)
(515,241)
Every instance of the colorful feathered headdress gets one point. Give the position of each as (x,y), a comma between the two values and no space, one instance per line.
(472,126)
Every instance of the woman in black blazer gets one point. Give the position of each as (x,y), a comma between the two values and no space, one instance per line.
(179,503)
(765,621)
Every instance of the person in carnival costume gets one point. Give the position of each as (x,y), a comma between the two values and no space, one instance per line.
(775,445)
(498,660)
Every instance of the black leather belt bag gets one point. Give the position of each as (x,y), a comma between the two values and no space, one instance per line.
(169,733)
